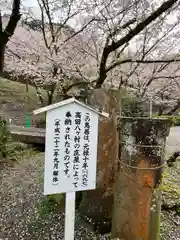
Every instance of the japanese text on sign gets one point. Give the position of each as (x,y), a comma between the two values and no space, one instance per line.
(56,151)
(67,145)
(86,150)
(76,156)
(71,149)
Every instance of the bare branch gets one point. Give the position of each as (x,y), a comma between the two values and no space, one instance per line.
(115,45)
(175,108)
(69,16)
(15,54)
(43,25)
(48,13)
(125,25)
(80,30)
(156,78)
(120,62)
(164,7)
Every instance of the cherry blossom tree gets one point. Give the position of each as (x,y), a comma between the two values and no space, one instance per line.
(129,44)
(6,32)
(135,50)
(126,43)
(46,52)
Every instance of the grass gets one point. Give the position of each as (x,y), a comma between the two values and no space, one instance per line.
(171,185)
(15,92)
(170,196)
(16,103)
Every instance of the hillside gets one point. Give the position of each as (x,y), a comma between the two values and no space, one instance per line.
(15,102)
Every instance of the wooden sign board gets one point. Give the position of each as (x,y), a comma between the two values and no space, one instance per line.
(70,152)
(71,149)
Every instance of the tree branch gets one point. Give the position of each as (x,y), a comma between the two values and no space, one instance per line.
(80,30)
(0,23)
(103,72)
(175,108)
(156,78)
(132,33)
(14,18)
(125,25)
(117,63)
(43,25)
(164,7)
(48,13)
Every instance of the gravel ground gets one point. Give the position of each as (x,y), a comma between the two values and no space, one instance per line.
(21,216)
(170,222)
(22,211)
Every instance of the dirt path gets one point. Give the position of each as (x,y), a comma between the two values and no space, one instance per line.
(19,193)
(22,213)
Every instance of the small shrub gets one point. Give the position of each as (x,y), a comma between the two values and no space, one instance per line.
(173,119)
(41,123)
(58,200)
(15,150)
(135,107)
(8,148)
(19,146)
(4,138)
(45,208)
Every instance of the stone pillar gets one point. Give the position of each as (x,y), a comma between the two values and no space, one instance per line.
(97,204)
(137,198)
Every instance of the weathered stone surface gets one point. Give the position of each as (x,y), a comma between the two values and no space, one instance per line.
(136,208)
(97,204)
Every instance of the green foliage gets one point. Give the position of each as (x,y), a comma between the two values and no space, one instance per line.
(178,210)
(41,123)
(57,198)
(174,120)
(52,203)
(170,186)
(45,208)
(16,150)
(4,138)
(8,149)
(14,93)
(133,106)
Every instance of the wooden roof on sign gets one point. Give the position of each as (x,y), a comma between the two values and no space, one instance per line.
(66,102)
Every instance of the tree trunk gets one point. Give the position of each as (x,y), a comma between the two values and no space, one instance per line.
(137,196)
(50,97)
(38,92)
(2,51)
(27,87)
(50,94)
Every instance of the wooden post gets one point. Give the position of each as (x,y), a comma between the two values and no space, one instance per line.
(70,215)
